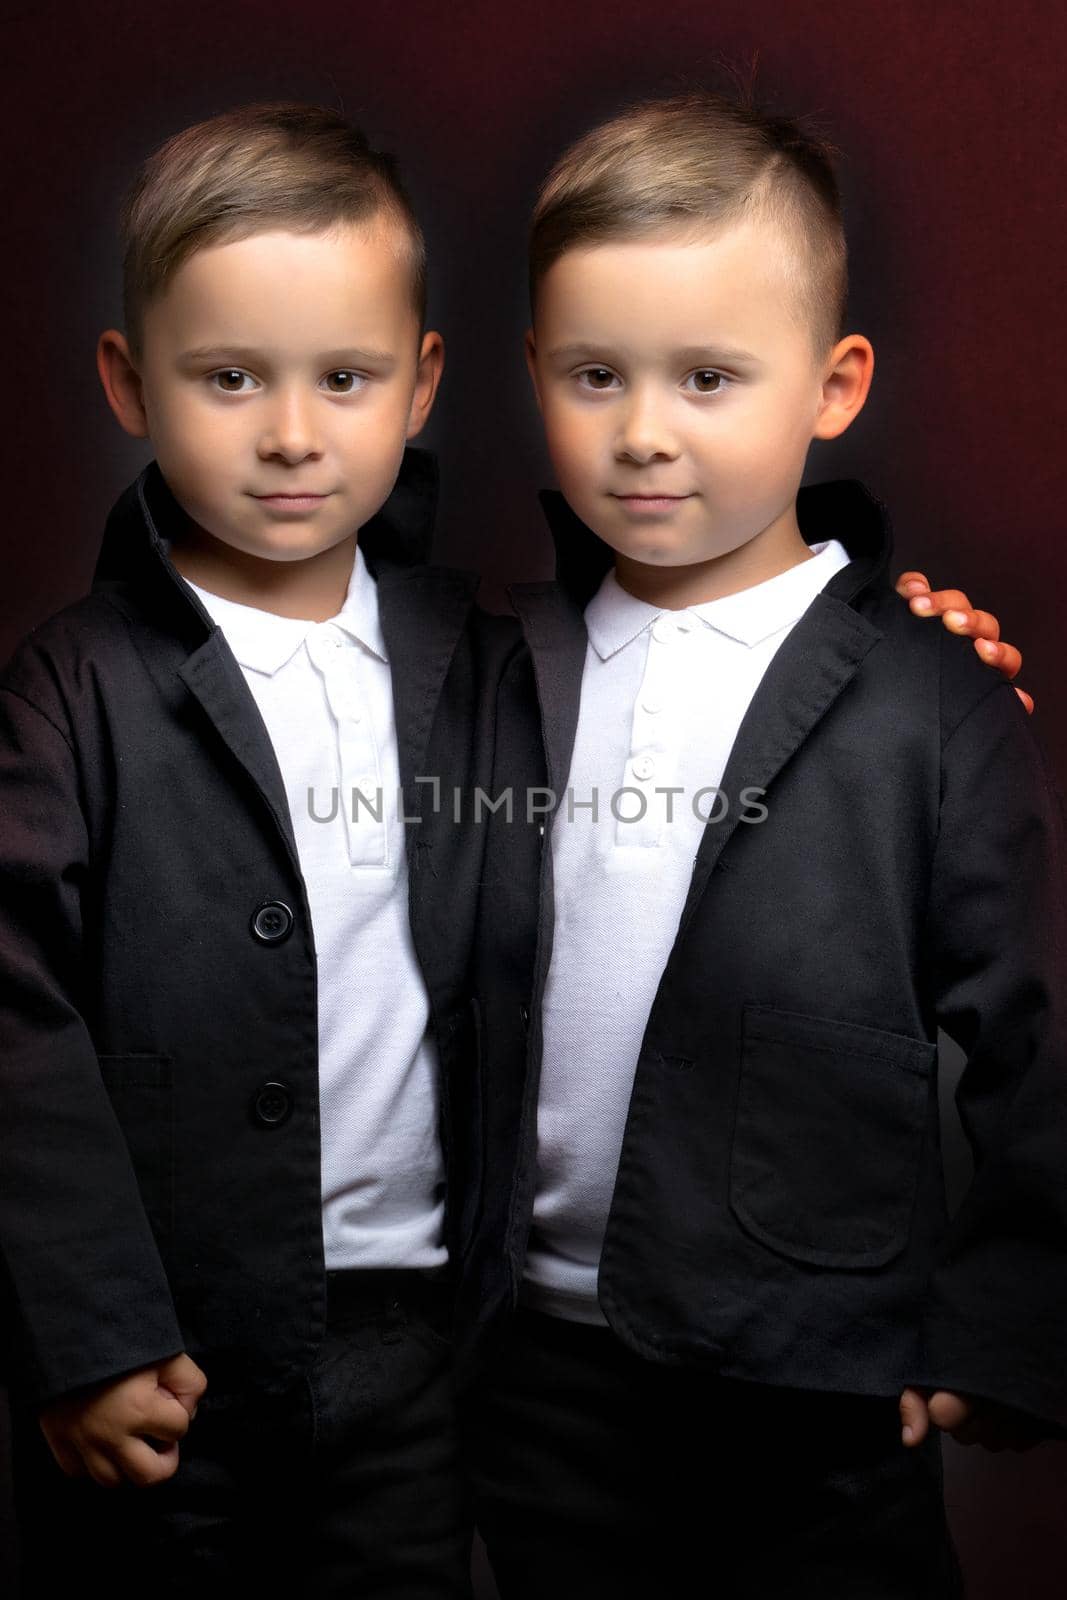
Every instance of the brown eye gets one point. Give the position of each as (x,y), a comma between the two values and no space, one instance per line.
(707,382)
(224,377)
(598,377)
(349,381)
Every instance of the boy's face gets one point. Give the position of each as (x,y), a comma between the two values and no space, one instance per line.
(679,390)
(281,377)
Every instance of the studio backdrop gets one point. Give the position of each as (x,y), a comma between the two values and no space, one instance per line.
(950,122)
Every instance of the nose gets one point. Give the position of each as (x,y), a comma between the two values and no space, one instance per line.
(644,428)
(290,429)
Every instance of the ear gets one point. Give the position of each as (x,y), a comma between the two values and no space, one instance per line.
(845,386)
(530,346)
(431,364)
(122,382)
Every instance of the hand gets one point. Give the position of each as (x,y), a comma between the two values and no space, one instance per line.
(958,616)
(109,1432)
(969,1420)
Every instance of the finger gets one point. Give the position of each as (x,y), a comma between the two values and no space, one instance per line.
(185,1381)
(1027,701)
(951,600)
(1005,657)
(101,1469)
(973,624)
(162,1414)
(145,1462)
(185,1397)
(950,1411)
(910,583)
(913,1417)
(940,601)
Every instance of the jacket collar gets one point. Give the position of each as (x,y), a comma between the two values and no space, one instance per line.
(844,509)
(823,652)
(422,612)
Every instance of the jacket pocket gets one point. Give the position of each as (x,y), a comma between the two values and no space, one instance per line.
(140,1089)
(828,1135)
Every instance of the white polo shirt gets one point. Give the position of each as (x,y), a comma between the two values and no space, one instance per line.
(325,694)
(663,695)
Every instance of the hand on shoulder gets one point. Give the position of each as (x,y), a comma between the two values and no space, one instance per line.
(959,616)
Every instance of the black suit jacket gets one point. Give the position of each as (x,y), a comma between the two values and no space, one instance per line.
(159,1115)
(779,1210)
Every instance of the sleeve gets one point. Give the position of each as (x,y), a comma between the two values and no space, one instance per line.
(996,1317)
(87,1295)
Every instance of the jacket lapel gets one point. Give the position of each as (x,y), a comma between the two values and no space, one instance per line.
(214,679)
(814,664)
(423,612)
(822,653)
(554,628)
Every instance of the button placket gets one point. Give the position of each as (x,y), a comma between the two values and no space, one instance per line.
(650,762)
(365,835)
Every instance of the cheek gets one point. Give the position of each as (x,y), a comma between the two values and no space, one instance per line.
(575,438)
(191,429)
(762,442)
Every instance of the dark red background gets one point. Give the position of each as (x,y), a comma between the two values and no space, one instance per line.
(952,122)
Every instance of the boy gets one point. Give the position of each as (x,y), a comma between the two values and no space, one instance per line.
(793,834)
(202,945)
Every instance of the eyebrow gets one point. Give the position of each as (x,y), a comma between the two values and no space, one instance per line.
(339,358)
(710,353)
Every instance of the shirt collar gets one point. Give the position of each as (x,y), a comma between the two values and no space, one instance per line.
(264,642)
(754,614)
(614,617)
(358,616)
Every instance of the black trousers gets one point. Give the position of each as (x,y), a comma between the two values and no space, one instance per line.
(599,1474)
(345,1484)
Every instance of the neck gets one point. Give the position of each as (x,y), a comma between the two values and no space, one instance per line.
(312,590)
(775,549)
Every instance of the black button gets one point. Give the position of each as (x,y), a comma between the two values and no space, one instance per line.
(272,922)
(272,1104)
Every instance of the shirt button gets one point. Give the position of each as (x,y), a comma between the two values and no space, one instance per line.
(643,767)
(651,704)
(272,922)
(663,630)
(272,1104)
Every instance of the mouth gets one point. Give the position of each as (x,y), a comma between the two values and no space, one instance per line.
(291,501)
(650,502)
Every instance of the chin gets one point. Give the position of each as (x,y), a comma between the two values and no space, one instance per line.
(658,555)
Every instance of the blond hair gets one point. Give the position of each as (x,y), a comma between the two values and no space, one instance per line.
(693,162)
(278,164)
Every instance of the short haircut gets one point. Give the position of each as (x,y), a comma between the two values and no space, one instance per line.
(692,162)
(270,165)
